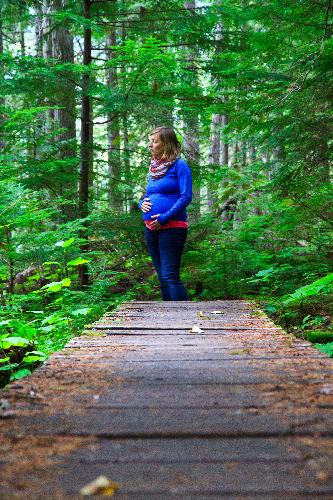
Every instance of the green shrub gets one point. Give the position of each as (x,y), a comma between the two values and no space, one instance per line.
(319,337)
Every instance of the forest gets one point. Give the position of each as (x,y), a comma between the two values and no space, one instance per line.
(248,87)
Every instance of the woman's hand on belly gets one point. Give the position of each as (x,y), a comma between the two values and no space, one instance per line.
(146,205)
(155,224)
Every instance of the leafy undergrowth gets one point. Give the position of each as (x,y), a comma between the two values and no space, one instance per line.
(292,282)
(25,345)
(40,321)
(18,358)
(35,323)
(307,313)
(28,338)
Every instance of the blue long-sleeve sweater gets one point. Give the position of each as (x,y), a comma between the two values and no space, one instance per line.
(170,194)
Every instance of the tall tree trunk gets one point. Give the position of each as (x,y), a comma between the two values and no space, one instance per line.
(256,194)
(235,154)
(65,118)
(86,140)
(192,154)
(115,195)
(46,29)
(224,145)
(191,130)
(243,154)
(217,120)
(38,30)
(47,49)
(214,154)
(129,201)
(63,49)
(252,153)
(130,204)
(55,41)
(229,207)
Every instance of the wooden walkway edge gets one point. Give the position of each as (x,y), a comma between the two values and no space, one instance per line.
(238,409)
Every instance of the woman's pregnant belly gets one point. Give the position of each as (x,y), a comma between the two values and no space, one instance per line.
(161,203)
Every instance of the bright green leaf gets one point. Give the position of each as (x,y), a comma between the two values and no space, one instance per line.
(84,311)
(20,374)
(14,341)
(65,244)
(56,286)
(6,368)
(77,262)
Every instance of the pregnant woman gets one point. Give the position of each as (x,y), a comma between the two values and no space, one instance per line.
(168,192)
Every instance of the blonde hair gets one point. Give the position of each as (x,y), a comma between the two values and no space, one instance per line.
(171,145)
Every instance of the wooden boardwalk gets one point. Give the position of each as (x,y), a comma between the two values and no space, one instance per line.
(238,410)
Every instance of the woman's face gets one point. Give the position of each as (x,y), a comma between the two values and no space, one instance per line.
(156,146)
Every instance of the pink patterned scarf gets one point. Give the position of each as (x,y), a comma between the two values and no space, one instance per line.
(158,168)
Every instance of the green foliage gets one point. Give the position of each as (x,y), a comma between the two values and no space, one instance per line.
(56,286)
(326,348)
(323,285)
(7,342)
(38,322)
(320,337)
(267,229)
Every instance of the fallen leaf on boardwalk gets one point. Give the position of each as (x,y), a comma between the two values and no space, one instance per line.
(100,486)
(241,351)
(196,329)
(93,334)
(200,314)
(217,312)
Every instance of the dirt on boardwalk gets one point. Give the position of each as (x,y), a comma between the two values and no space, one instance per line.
(173,400)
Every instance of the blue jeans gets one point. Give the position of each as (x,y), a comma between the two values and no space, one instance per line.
(165,247)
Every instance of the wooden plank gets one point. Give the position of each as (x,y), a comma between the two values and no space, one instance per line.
(203,396)
(204,339)
(203,357)
(127,373)
(184,326)
(191,368)
(228,478)
(154,422)
(193,343)
(205,450)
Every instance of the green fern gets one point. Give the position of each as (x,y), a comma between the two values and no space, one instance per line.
(323,285)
